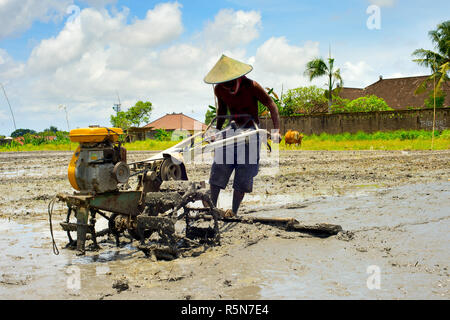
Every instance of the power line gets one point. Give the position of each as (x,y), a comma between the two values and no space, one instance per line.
(10,109)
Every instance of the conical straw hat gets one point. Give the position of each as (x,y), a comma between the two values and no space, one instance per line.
(227,69)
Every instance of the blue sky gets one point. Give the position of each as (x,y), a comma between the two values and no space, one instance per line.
(160,50)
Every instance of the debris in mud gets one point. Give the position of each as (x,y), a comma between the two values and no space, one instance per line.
(121,285)
(254,241)
(227,283)
(321,230)
(345,235)
(159,252)
(11,280)
(43,197)
(203,234)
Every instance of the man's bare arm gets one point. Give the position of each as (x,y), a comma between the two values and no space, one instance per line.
(266,100)
(221,111)
(274,114)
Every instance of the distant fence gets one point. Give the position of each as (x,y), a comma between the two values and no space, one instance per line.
(363,121)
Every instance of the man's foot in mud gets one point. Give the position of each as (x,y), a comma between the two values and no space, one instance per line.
(229,214)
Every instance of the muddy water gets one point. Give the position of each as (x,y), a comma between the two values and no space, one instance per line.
(395,205)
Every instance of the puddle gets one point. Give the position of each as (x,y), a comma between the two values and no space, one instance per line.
(30,270)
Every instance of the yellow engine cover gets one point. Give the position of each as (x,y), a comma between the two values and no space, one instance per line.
(92,135)
(72,167)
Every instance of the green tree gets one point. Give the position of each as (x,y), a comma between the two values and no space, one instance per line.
(362,104)
(317,68)
(439,98)
(21,132)
(134,116)
(52,129)
(210,114)
(438,61)
(120,120)
(339,104)
(305,100)
(140,113)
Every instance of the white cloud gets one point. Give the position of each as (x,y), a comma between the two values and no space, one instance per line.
(98,3)
(383,3)
(99,53)
(9,69)
(396,75)
(279,64)
(231,29)
(18,16)
(277,56)
(97,29)
(161,25)
(354,74)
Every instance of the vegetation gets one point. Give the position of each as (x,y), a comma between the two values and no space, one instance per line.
(339,104)
(362,104)
(210,114)
(438,61)
(51,130)
(317,68)
(395,140)
(162,135)
(390,135)
(311,99)
(430,101)
(263,111)
(134,116)
(304,100)
(21,132)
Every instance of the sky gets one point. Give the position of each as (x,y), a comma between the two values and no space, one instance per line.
(85,55)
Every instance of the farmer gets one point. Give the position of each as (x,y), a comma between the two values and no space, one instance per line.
(239,96)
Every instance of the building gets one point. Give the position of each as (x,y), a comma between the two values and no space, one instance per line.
(170,122)
(397,92)
(5,140)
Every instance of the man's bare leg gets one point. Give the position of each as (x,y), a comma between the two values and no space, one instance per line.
(238,196)
(215,190)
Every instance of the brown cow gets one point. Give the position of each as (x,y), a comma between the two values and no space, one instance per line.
(293,137)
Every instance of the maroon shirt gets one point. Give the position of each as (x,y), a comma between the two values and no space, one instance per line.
(245,101)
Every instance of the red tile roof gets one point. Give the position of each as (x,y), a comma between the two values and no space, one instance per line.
(177,121)
(397,92)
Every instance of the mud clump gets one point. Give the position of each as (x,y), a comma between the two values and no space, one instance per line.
(121,284)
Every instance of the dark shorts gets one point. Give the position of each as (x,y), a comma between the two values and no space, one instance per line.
(245,168)
(243,176)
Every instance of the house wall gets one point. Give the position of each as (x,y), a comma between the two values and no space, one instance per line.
(363,121)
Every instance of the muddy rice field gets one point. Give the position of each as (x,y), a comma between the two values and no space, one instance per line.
(394,208)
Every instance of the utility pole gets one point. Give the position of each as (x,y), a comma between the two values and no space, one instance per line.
(12,114)
(117,106)
(67,116)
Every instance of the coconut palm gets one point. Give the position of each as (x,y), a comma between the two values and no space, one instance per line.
(317,68)
(438,62)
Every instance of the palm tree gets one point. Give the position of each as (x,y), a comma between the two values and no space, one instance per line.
(317,68)
(438,62)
